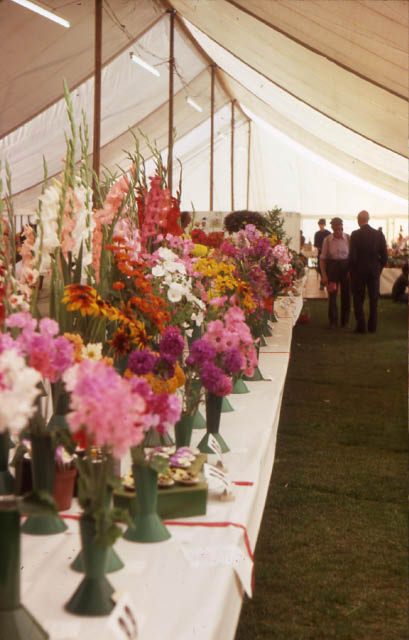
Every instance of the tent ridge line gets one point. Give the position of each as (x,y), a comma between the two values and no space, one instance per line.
(85,78)
(202,52)
(290,93)
(344,152)
(317,51)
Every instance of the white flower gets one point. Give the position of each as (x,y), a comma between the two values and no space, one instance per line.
(175,292)
(92,351)
(158,271)
(18,391)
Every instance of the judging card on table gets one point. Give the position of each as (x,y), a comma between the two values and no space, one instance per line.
(122,620)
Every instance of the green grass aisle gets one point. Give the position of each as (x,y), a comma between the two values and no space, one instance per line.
(332,551)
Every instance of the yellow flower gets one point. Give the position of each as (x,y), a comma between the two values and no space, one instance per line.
(199,250)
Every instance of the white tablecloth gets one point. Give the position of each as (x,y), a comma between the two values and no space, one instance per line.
(388,277)
(191,586)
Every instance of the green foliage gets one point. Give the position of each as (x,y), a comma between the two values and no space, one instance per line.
(274,225)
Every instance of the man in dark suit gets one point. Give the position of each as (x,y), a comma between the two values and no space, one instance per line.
(367,257)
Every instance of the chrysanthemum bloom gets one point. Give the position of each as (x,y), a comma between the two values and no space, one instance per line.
(141,362)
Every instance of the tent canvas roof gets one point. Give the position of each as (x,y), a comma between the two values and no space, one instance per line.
(323,82)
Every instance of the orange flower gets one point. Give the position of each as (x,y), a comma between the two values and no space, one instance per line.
(118,286)
(80,297)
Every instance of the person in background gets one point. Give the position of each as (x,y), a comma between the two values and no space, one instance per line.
(302,239)
(400,286)
(319,238)
(334,271)
(368,256)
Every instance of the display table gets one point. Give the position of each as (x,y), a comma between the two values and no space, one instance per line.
(192,585)
(388,277)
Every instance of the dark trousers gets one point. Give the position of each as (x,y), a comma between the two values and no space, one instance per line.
(337,271)
(361,282)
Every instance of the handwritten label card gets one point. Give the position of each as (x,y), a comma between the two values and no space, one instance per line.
(122,620)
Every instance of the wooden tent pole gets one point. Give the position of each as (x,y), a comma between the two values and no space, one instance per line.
(213,78)
(232,155)
(248,165)
(172,14)
(97,94)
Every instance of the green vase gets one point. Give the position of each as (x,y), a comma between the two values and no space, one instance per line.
(93,595)
(113,562)
(226,405)
(183,431)
(240,386)
(147,524)
(213,413)
(198,420)
(7,480)
(16,623)
(155,439)
(43,470)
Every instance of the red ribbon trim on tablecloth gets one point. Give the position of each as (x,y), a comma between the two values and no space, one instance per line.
(243,483)
(210,525)
(183,523)
(287,352)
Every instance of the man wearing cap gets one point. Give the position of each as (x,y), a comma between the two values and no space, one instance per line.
(334,268)
(368,256)
(319,238)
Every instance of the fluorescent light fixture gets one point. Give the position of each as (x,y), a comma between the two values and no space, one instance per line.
(193,104)
(143,64)
(43,12)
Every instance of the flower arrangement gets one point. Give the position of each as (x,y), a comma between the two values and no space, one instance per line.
(237,220)
(114,412)
(18,388)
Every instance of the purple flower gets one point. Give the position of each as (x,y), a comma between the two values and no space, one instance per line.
(214,380)
(233,360)
(141,362)
(172,344)
(201,352)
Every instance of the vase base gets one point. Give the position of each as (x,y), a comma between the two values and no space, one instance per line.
(240,387)
(262,342)
(204,447)
(43,525)
(7,483)
(226,405)
(113,563)
(155,439)
(256,377)
(148,528)
(198,421)
(92,598)
(19,624)
(267,333)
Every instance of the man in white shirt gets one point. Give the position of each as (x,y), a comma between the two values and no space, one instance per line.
(334,269)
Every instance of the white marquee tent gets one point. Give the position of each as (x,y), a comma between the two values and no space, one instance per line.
(319,89)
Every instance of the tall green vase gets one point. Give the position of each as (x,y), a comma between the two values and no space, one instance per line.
(16,623)
(155,439)
(147,524)
(93,595)
(7,480)
(183,431)
(43,470)
(213,413)
(240,386)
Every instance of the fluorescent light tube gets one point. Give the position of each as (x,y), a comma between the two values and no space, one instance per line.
(43,12)
(193,104)
(143,64)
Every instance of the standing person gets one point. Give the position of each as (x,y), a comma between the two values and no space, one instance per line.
(368,256)
(334,268)
(319,238)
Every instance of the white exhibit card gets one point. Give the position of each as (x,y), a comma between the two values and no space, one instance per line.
(122,621)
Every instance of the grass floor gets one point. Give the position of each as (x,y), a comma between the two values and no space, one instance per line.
(331,558)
